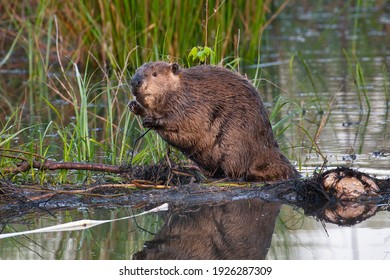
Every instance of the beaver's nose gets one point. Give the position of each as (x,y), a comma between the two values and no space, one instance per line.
(136,81)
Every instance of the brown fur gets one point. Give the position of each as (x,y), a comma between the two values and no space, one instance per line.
(214,116)
(239,229)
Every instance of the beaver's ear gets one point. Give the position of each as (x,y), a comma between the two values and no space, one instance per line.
(175,68)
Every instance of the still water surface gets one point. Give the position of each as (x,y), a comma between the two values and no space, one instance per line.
(200,235)
(321,79)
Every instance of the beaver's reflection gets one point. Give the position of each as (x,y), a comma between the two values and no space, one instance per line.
(235,230)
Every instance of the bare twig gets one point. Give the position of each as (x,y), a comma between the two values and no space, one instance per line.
(52,165)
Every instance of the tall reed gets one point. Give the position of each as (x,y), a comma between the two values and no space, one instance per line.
(81,54)
(112,29)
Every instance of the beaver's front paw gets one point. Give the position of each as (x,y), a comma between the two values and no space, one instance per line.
(152,123)
(136,108)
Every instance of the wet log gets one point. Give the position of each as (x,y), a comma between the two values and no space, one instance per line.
(154,185)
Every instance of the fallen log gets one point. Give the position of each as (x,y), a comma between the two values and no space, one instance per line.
(336,189)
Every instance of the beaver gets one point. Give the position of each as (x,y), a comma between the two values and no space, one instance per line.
(213,115)
(236,230)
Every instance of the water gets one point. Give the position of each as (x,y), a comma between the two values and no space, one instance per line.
(307,240)
(352,135)
(235,230)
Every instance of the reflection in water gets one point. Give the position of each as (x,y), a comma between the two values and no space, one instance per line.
(118,240)
(239,229)
(348,213)
(304,238)
(235,230)
(236,226)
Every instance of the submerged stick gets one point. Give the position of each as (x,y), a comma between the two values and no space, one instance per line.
(82,224)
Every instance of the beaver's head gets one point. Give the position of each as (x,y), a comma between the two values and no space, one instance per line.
(153,82)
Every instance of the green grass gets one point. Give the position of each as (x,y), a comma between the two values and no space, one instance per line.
(80,56)
(110,30)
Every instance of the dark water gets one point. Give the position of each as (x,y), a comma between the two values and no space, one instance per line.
(325,44)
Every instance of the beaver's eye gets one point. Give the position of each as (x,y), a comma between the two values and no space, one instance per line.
(154,74)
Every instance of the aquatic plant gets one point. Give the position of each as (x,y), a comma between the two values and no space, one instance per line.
(80,55)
